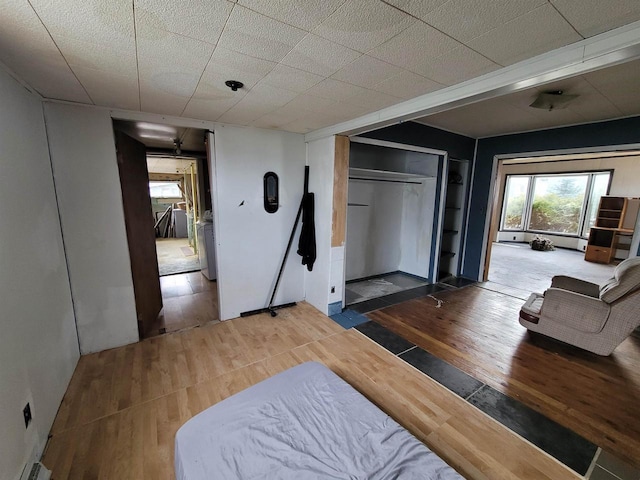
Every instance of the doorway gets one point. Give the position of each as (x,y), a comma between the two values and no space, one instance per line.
(557,198)
(172,259)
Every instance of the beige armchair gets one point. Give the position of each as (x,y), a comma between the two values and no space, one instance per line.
(589,316)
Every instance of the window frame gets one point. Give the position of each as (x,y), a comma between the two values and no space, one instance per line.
(529,200)
(525,219)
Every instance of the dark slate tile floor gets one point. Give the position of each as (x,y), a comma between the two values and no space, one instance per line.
(389,340)
(395,298)
(558,441)
(561,443)
(451,377)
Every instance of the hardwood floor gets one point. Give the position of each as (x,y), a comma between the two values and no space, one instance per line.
(189,300)
(477,330)
(123,406)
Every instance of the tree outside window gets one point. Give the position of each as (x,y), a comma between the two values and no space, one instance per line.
(557,203)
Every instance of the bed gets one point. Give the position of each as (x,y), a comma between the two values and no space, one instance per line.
(304,423)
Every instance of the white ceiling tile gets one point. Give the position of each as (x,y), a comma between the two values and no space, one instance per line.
(304,104)
(591,17)
(212,98)
(170,62)
(320,56)
(237,66)
(305,14)
(366,72)
(407,85)
(27,48)
(93,21)
(536,32)
(310,123)
(414,48)
(109,89)
(456,66)
(256,35)
(199,19)
(417,8)
(156,99)
(467,19)
(292,79)
(363,24)
(482,119)
(259,101)
(119,59)
(275,119)
(619,85)
(373,100)
(335,90)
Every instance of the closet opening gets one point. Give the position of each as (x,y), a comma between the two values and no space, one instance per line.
(394,209)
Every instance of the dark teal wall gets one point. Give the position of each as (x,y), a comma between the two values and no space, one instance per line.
(615,132)
(411,133)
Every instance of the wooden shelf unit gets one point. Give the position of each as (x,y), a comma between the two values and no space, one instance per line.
(615,221)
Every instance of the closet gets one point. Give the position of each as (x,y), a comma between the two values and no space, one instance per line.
(390,217)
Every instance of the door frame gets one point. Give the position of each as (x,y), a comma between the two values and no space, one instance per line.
(492,218)
(434,259)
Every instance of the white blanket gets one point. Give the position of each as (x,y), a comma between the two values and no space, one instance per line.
(304,423)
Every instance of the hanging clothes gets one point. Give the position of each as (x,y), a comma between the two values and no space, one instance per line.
(307,242)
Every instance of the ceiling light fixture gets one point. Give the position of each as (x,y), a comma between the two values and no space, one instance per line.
(555,100)
(234,84)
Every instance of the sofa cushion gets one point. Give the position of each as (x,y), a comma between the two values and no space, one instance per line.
(626,278)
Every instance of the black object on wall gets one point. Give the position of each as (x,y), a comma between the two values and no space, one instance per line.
(271,192)
(625,131)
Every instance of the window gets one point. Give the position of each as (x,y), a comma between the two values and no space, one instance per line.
(600,186)
(164,190)
(515,199)
(564,204)
(557,203)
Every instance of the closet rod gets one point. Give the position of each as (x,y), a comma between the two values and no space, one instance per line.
(383,180)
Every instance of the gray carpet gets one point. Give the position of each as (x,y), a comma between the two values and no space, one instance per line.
(517,265)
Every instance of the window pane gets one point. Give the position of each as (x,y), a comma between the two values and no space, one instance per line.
(514,201)
(164,190)
(557,203)
(600,184)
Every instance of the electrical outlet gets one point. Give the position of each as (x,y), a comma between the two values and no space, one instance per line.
(333,289)
(26,412)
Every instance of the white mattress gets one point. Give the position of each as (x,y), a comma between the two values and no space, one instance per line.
(304,423)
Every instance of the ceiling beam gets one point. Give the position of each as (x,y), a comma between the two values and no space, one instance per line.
(607,49)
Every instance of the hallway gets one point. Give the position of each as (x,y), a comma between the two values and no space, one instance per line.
(189,300)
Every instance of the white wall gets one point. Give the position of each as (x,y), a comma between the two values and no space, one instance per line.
(393,232)
(374,231)
(38,344)
(417,227)
(328,269)
(252,242)
(90,201)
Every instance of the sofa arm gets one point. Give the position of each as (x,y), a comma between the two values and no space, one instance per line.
(576,285)
(574,310)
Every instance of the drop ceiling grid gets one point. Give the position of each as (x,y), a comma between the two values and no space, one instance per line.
(379,52)
(511,113)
